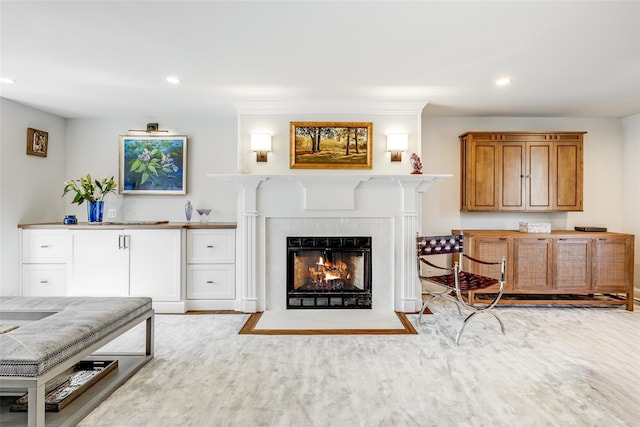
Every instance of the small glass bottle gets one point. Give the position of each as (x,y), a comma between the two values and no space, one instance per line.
(188,209)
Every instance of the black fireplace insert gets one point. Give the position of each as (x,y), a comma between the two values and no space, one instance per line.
(329,272)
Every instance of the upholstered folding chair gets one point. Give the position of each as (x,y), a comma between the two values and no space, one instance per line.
(456,283)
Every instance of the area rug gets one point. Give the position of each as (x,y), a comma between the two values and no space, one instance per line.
(328,322)
(556,366)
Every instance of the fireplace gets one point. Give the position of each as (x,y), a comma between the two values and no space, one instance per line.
(329,272)
(273,207)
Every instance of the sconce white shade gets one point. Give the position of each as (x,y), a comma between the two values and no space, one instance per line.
(396,144)
(260,142)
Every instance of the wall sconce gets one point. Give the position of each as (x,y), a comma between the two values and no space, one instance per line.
(151,128)
(396,144)
(261,144)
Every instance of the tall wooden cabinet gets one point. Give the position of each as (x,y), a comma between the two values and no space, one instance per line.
(521,171)
(558,267)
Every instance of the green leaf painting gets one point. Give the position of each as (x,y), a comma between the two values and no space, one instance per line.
(153,163)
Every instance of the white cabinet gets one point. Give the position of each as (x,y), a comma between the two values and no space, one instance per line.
(180,268)
(154,264)
(45,258)
(129,262)
(100,263)
(211,270)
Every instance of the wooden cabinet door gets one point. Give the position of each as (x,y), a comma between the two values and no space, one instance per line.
(532,264)
(572,264)
(491,249)
(538,176)
(612,264)
(567,176)
(482,176)
(525,176)
(511,167)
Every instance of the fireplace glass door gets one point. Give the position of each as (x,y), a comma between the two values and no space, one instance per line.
(328,272)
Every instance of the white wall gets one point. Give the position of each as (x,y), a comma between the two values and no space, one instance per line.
(278,127)
(603,176)
(631,184)
(30,186)
(93,147)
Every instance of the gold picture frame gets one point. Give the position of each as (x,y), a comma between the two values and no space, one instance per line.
(331,145)
(37,142)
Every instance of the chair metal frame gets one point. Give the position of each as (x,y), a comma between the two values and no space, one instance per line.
(457,279)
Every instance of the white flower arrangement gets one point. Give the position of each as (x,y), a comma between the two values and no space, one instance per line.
(86,188)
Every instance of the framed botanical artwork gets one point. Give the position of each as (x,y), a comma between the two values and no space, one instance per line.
(331,145)
(153,164)
(37,142)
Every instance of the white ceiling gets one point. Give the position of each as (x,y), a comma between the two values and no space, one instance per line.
(110,58)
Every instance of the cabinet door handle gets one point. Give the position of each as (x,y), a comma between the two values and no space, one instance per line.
(44,281)
(210,282)
(44,246)
(120,241)
(210,246)
(502,238)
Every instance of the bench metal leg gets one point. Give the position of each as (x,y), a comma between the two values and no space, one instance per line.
(149,338)
(36,408)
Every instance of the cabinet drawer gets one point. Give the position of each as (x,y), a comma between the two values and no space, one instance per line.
(44,280)
(211,281)
(45,246)
(211,246)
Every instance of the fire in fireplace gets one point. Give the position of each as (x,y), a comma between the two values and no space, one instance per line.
(328,272)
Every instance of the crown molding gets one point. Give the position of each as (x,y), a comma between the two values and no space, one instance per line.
(330,107)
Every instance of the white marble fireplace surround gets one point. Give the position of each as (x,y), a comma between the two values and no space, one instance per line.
(272,207)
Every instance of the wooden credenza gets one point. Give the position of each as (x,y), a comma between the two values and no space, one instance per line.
(561,267)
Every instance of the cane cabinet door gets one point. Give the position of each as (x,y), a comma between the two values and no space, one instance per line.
(612,264)
(532,264)
(491,249)
(572,264)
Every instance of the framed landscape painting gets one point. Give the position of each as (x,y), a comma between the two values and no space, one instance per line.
(153,164)
(331,145)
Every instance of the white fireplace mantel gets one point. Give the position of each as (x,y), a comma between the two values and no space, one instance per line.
(272,206)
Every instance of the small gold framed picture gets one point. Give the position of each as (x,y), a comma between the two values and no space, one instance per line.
(37,142)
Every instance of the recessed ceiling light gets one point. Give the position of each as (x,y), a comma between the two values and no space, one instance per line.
(7,80)
(173,80)
(503,81)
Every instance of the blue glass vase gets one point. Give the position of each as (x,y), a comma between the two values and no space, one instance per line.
(95,211)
